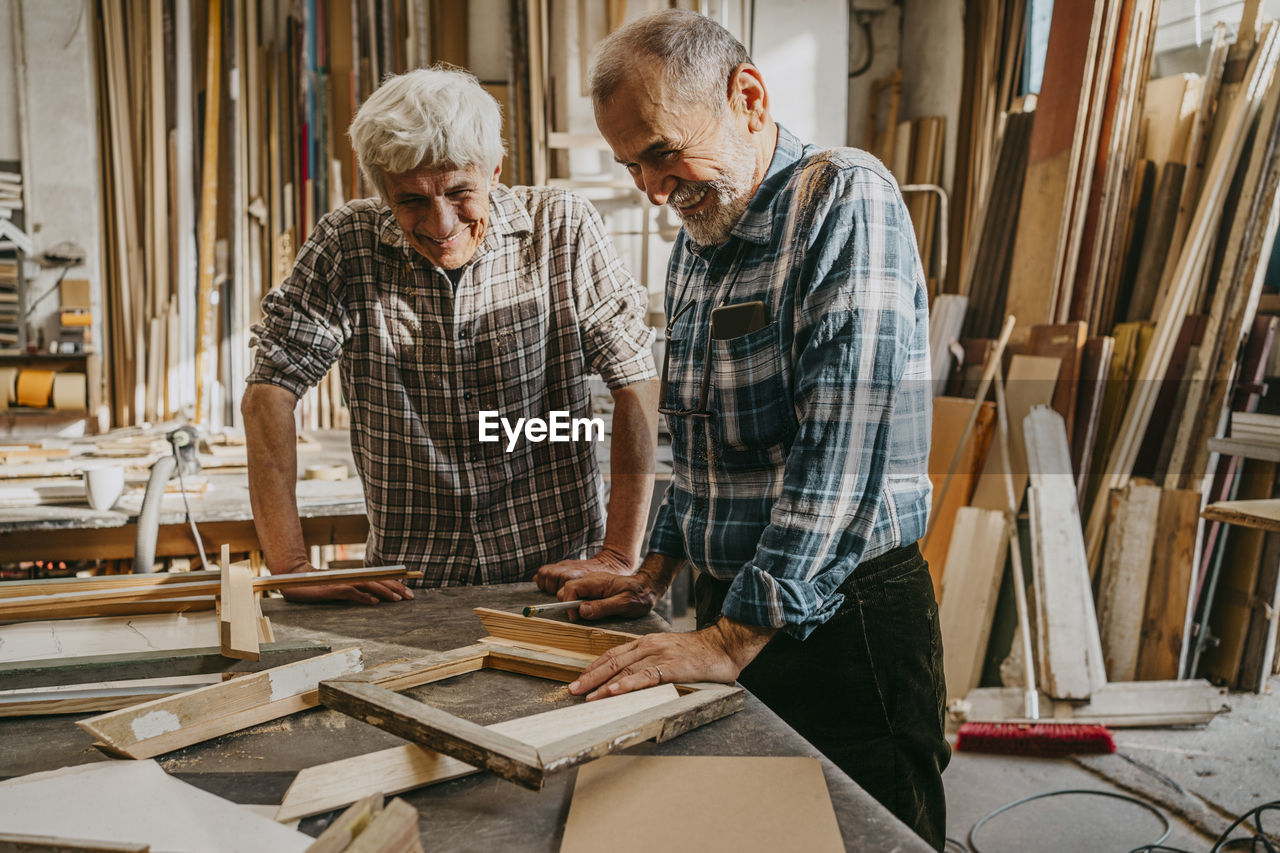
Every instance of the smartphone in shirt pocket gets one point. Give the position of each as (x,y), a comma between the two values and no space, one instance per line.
(734,321)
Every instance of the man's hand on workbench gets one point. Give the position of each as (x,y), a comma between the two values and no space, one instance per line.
(555,575)
(367,592)
(718,653)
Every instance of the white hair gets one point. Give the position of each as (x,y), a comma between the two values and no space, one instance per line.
(696,55)
(433,117)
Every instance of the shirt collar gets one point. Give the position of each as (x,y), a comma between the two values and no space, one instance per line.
(507,217)
(756,224)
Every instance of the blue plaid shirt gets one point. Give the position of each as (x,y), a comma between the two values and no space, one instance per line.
(814,455)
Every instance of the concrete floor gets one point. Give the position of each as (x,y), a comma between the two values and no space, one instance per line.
(1199,778)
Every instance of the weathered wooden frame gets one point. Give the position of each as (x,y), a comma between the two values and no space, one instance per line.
(514,760)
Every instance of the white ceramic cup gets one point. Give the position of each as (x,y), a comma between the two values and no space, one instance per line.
(103,485)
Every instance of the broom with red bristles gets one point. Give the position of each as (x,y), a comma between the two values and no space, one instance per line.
(1045,739)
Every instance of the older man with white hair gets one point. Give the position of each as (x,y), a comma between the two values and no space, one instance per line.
(447,300)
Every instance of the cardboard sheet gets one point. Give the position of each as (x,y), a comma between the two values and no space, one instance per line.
(698,803)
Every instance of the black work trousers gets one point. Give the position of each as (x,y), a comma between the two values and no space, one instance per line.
(866,687)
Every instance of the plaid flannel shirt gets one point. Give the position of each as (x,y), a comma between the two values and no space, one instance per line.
(544,302)
(814,456)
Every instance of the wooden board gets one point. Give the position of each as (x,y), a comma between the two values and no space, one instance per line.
(1172,564)
(975,564)
(574,637)
(949,416)
(154,728)
(1257,660)
(728,791)
(50,605)
(1031,382)
(1258,514)
(1237,579)
(136,801)
(1095,365)
(238,611)
(402,768)
(1057,138)
(1069,649)
(72,638)
(1126,566)
(49,672)
(1116,704)
(1064,342)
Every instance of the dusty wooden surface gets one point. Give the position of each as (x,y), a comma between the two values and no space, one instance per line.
(480,812)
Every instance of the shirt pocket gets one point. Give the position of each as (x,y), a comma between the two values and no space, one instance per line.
(751,394)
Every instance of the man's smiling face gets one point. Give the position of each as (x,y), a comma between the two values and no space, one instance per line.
(443,211)
(697,160)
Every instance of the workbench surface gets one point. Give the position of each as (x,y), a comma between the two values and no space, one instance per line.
(481,812)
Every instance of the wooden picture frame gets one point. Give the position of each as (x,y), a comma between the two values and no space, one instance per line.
(380,705)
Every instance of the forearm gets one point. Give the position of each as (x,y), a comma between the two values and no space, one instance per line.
(271,441)
(631,465)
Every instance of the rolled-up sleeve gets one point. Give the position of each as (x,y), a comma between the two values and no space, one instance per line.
(616,341)
(858,317)
(304,324)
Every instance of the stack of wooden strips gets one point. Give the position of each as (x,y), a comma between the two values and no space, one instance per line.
(993,60)
(1138,219)
(223,139)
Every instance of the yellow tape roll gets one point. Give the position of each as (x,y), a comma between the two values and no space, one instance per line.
(34,388)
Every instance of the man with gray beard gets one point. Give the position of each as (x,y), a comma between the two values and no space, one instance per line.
(796,391)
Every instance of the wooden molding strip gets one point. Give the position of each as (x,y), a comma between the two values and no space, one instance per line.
(402,768)
(51,672)
(436,729)
(569,636)
(48,605)
(160,726)
(1117,704)
(238,614)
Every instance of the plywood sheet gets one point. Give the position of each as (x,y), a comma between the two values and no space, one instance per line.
(136,801)
(1031,382)
(949,417)
(744,804)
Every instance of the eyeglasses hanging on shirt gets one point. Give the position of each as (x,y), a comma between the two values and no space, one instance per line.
(727,322)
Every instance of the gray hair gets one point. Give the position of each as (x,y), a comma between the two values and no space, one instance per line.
(697,56)
(437,116)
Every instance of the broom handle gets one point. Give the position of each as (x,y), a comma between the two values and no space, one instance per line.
(992,369)
(1031,698)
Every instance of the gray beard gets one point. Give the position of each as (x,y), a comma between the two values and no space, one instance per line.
(731,191)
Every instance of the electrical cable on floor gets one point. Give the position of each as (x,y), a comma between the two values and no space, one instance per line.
(1260,841)
(1154,772)
(1168,827)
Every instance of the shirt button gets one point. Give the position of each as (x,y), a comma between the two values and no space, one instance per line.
(467,396)
(475,457)
(463,333)
(479,516)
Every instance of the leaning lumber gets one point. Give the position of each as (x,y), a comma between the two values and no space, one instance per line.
(975,564)
(1131,536)
(1177,301)
(1070,651)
